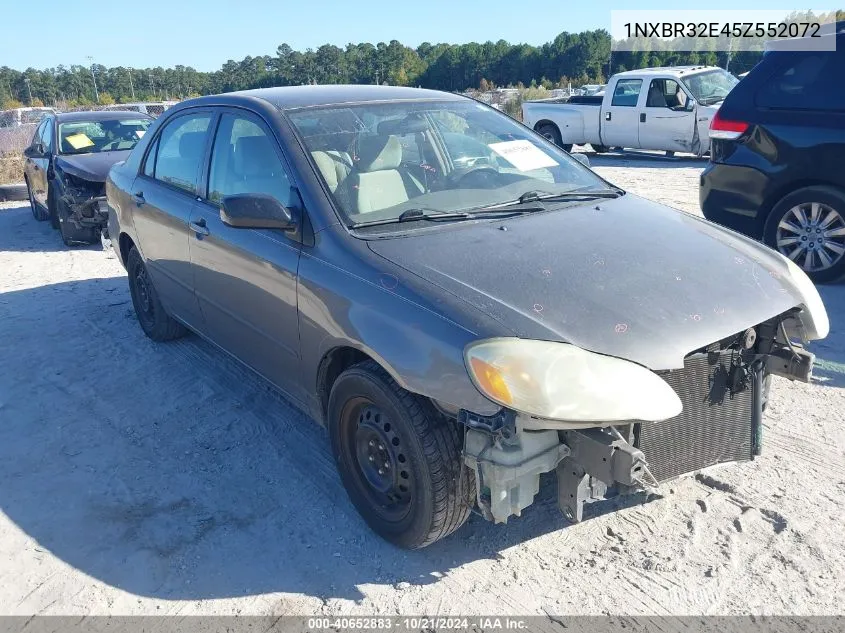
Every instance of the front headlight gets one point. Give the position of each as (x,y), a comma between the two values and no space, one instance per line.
(559,381)
(814,318)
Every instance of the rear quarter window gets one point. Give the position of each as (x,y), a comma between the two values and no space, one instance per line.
(805,81)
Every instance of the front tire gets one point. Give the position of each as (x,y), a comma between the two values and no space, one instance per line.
(71,235)
(599,149)
(808,226)
(399,459)
(51,208)
(155,322)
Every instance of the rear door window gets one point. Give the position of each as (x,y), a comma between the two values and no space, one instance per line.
(627,93)
(806,81)
(180,151)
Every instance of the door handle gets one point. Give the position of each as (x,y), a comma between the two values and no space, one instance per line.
(138,197)
(199,227)
(642,117)
(607,116)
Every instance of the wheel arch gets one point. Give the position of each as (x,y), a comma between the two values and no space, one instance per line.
(780,193)
(125,244)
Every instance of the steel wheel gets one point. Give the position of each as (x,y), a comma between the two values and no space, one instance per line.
(143,295)
(812,234)
(382,466)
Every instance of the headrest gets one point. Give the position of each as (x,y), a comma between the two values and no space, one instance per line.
(376,153)
(191,144)
(254,156)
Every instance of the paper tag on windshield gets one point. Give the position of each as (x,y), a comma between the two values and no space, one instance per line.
(523,155)
(79,141)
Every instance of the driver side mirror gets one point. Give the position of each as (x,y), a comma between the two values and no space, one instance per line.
(34,151)
(690,105)
(256,211)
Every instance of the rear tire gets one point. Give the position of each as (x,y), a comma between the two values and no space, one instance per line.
(830,211)
(599,149)
(399,459)
(152,317)
(550,132)
(38,212)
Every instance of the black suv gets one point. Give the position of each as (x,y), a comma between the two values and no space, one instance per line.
(777,170)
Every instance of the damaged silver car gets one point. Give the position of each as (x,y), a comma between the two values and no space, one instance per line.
(66,167)
(462,304)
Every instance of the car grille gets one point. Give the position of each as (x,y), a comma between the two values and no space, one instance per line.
(714,427)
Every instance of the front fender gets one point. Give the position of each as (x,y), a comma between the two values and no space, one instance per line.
(418,346)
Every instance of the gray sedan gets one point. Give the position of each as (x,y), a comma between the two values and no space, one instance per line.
(462,304)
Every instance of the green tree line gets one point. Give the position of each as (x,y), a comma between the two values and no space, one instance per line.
(577,57)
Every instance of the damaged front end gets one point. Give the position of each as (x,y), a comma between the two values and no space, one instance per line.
(722,389)
(84,203)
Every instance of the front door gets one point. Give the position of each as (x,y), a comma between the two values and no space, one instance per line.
(667,117)
(245,279)
(39,164)
(619,126)
(164,195)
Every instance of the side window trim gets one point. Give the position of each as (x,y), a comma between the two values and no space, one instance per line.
(213,118)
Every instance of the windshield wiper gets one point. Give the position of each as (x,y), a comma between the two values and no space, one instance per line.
(543,196)
(411,215)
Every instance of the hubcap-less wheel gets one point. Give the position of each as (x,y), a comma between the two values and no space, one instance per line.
(142,288)
(382,465)
(812,235)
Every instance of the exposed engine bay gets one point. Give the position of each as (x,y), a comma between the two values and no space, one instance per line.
(723,388)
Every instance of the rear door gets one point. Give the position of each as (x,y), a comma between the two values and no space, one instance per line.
(666,117)
(163,196)
(245,279)
(619,122)
(38,165)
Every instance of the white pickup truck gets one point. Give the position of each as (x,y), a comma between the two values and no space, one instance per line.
(665,109)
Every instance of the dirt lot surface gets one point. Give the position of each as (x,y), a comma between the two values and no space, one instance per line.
(165,479)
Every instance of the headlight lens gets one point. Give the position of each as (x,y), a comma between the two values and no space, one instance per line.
(559,381)
(816,324)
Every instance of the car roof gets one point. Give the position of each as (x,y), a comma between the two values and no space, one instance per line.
(98,115)
(666,70)
(292,97)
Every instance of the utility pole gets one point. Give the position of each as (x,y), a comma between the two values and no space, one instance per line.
(29,88)
(96,93)
(131,87)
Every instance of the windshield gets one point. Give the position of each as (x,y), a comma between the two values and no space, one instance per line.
(88,137)
(710,86)
(382,159)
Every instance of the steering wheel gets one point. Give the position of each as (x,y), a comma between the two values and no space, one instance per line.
(482,173)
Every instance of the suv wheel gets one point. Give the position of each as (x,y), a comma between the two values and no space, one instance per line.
(399,459)
(808,226)
(155,322)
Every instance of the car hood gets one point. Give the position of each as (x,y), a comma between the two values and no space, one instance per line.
(94,167)
(624,277)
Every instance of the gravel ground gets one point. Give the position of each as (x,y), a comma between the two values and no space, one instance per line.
(165,479)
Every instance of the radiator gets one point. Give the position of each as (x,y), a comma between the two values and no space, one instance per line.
(713,427)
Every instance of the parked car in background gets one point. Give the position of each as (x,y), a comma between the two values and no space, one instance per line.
(653,108)
(776,170)
(66,167)
(17,117)
(153,108)
(445,316)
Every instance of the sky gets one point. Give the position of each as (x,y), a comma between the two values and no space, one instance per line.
(205,34)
